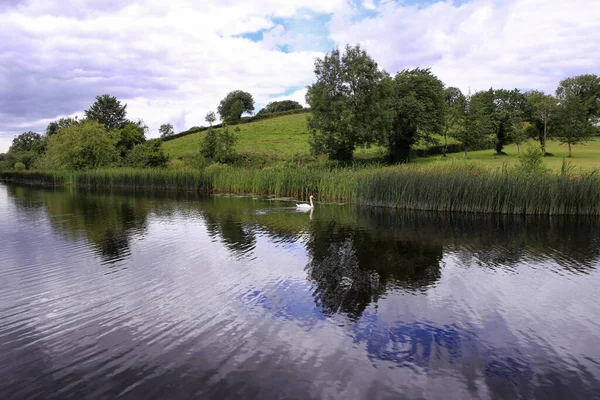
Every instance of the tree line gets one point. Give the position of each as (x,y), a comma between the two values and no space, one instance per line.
(354,103)
(104,137)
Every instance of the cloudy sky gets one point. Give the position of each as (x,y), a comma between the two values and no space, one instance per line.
(173,61)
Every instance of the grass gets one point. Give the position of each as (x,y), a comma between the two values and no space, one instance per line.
(585,157)
(441,186)
(278,138)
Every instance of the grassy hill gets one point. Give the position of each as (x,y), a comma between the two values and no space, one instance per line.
(287,136)
(281,137)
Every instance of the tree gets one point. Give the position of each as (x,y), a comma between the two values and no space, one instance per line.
(148,154)
(507,114)
(280,106)
(454,102)
(418,111)
(166,130)
(518,136)
(55,126)
(541,108)
(350,103)
(586,88)
(108,111)
(570,122)
(210,117)
(128,137)
(234,105)
(85,146)
(26,141)
(472,121)
(26,148)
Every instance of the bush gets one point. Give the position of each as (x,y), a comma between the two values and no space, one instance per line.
(85,146)
(148,154)
(532,160)
(219,146)
(20,166)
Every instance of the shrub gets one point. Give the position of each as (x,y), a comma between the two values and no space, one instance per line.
(85,146)
(219,146)
(148,154)
(532,160)
(20,166)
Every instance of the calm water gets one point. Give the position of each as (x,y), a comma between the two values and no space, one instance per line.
(163,296)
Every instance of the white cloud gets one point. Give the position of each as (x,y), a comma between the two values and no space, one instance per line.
(478,44)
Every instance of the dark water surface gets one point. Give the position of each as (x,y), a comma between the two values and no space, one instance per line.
(164,296)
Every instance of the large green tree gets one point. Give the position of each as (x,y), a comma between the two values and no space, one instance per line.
(507,115)
(419,111)
(350,103)
(27,141)
(85,146)
(587,88)
(570,121)
(540,108)
(26,148)
(108,111)
(472,121)
(234,105)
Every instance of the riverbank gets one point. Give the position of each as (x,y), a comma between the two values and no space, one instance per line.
(438,187)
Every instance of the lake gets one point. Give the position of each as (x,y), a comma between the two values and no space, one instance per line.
(161,296)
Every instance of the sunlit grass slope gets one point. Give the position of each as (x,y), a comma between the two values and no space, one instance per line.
(282,137)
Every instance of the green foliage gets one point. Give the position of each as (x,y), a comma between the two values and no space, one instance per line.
(349,103)
(27,141)
(471,124)
(85,146)
(540,108)
(26,149)
(587,88)
(531,160)
(279,106)
(55,126)
(571,124)
(507,113)
(419,105)
(234,105)
(20,166)
(108,111)
(148,154)
(219,146)
(166,130)
(128,137)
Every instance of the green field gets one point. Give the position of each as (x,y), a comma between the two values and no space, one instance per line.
(585,157)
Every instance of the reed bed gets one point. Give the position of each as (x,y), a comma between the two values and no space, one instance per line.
(448,187)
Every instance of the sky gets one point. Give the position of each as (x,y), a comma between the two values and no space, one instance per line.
(172,62)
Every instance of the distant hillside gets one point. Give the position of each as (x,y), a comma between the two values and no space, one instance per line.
(279,137)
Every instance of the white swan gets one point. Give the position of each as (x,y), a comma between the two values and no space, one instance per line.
(305,206)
